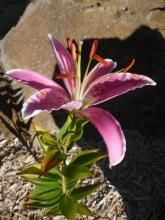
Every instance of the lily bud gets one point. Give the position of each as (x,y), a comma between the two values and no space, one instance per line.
(93,49)
(69,42)
(74,50)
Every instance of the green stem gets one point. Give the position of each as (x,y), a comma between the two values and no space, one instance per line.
(87,69)
(64,184)
(84,79)
(78,75)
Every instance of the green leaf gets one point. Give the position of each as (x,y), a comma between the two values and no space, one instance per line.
(72,131)
(77,130)
(42,194)
(39,132)
(51,159)
(45,139)
(87,157)
(41,204)
(70,183)
(32,174)
(82,192)
(76,171)
(83,210)
(64,128)
(41,197)
(68,208)
(52,210)
(48,139)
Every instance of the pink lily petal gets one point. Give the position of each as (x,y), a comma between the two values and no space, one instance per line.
(33,79)
(73,105)
(43,100)
(65,62)
(100,70)
(111,132)
(112,85)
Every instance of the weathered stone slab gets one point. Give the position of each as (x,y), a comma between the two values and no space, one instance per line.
(26,45)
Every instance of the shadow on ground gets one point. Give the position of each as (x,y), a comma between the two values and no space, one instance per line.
(140,177)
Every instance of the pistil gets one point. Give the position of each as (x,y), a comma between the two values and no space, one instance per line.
(78,72)
(91,56)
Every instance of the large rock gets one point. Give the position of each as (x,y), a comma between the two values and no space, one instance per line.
(26,44)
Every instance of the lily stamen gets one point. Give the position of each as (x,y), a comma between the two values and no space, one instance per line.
(100,60)
(129,66)
(65,76)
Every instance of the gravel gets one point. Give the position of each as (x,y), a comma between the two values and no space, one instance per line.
(105,203)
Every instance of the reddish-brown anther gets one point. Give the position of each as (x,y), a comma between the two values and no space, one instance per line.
(100,60)
(65,76)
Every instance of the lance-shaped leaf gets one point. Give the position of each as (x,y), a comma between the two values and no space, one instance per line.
(83,210)
(32,174)
(45,139)
(87,157)
(39,132)
(42,204)
(76,171)
(52,210)
(64,128)
(68,208)
(51,159)
(42,194)
(70,183)
(48,139)
(72,130)
(43,197)
(82,192)
(78,128)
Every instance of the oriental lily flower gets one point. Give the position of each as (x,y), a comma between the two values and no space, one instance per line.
(80,95)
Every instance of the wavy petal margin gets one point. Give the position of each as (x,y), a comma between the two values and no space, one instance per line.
(65,62)
(44,100)
(33,79)
(115,84)
(111,131)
